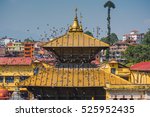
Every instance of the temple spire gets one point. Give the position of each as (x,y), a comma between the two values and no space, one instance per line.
(76,10)
(75,27)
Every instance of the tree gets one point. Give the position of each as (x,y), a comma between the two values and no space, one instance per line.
(146,39)
(138,53)
(113,39)
(28,40)
(89,33)
(109,5)
(104,39)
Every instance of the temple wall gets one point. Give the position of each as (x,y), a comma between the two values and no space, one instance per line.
(140,77)
(16,70)
(147,95)
(127,95)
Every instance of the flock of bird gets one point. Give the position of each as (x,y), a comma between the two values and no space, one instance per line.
(54,32)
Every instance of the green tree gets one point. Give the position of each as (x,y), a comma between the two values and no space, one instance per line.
(28,40)
(113,39)
(89,33)
(109,5)
(135,54)
(146,39)
(104,39)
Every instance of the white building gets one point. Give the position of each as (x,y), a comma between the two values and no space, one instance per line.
(135,35)
(4,41)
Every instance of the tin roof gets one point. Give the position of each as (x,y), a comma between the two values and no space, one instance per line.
(72,76)
(15,61)
(76,39)
(142,66)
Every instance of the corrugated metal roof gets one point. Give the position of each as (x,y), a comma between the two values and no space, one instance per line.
(142,66)
(73,77)
(15,61)
(75,39)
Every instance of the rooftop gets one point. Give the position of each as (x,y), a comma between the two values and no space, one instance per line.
(142,66)
(15,61)
(75,37)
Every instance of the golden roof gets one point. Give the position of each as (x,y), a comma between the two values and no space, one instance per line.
(75,37)
(73,77)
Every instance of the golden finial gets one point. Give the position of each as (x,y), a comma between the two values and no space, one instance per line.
(75,26)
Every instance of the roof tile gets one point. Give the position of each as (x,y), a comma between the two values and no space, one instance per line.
(15,61)
(142,66)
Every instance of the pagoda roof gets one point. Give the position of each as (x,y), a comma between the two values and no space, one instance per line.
(73,76)
(75,37)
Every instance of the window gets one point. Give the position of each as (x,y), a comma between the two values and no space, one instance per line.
(27,48)
(113,70)
(27,52)
(23,78)
(9,79)
(27,44)
(1,79)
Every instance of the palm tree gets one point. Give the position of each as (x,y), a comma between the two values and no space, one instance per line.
(109,5)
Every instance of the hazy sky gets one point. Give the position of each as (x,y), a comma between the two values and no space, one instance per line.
(18,16)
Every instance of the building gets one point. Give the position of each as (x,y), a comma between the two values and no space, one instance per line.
(79,75)
(43,55)
(4,41)
(13,70)
(117,68)
(16,69)
(29,49)
(15,48)
(117,50)
(2,51)
(38,49)
(75,52)
(140,73)
(135,35)
(139,89)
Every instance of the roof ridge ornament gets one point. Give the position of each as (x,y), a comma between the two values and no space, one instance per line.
(75,27)
(76,12)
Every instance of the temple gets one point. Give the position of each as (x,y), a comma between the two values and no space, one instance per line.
(79,74)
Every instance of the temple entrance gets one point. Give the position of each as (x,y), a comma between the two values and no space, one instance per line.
(68,93)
